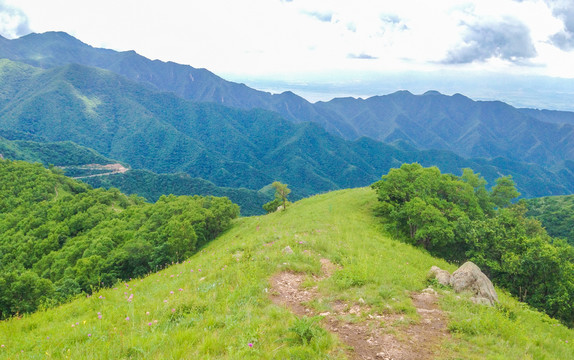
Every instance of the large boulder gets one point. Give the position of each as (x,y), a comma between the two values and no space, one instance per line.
(468,277)
(442,276)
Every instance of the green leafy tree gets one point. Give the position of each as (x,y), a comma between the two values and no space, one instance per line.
(281,193)
(458,219)
(504,191)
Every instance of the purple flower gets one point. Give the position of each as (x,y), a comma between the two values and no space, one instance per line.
(127,318)
(89,335)
(250,344)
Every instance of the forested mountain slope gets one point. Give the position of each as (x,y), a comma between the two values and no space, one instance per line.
(430,121)
(163,133)
(60,238)
(556,213)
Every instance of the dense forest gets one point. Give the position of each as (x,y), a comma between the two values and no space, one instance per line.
(458,219)
(556,213)
(152,186)
(60,238)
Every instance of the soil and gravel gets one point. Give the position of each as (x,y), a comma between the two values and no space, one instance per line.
(378,336)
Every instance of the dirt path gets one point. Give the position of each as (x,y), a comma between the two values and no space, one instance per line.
(111,168)
(376,337)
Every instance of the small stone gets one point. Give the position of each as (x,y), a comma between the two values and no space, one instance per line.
(361,300)
(287,250)
(325,313)
(429,290)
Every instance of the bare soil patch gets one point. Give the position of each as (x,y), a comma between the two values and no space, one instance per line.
(384,336)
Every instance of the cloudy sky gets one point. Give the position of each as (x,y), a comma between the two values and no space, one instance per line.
(482,48)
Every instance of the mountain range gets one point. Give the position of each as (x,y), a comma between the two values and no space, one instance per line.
(168,118)
(429,121)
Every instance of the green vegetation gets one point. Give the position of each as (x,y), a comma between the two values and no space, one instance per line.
(144,183)
(152,186)
(556,213)
(223,305)
(63,153)
(458,219)
(60,238)
(281,193)
(160,132)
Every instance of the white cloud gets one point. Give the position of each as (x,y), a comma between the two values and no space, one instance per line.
(13,21)
(284,38)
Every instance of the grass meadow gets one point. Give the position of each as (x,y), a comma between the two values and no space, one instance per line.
(216,304)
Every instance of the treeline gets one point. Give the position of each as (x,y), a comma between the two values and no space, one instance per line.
(60,237)
(458,219)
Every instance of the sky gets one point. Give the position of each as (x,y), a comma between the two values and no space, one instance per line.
(521,51)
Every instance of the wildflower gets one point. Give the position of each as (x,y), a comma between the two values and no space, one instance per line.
(89,335)
(149,324)
(147,312)
(165,301)
(250,344)
(171,292)
(2,345)
(73,325)
(180,289)
(100,317)
(127,318)
(173,310)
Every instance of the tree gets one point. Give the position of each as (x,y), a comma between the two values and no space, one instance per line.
(281,193)
(504,191)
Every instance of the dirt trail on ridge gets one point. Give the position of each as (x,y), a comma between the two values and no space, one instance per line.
(378,337)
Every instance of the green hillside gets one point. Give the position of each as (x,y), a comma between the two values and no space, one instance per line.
(556,213)
(60,238)
(160,132)
(219,302)
(152,186)
(64,153)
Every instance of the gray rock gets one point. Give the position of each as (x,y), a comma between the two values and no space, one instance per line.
(442,276)
(468,277)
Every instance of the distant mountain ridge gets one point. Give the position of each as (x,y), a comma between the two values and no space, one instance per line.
(161,132)
(430,121)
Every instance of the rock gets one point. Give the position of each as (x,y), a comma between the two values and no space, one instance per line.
(468,277)
(429,291)
(442,276)
(287,250)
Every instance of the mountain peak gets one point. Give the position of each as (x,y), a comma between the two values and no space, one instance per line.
(432,93)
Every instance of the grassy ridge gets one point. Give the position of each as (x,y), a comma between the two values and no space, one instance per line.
(220,301)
